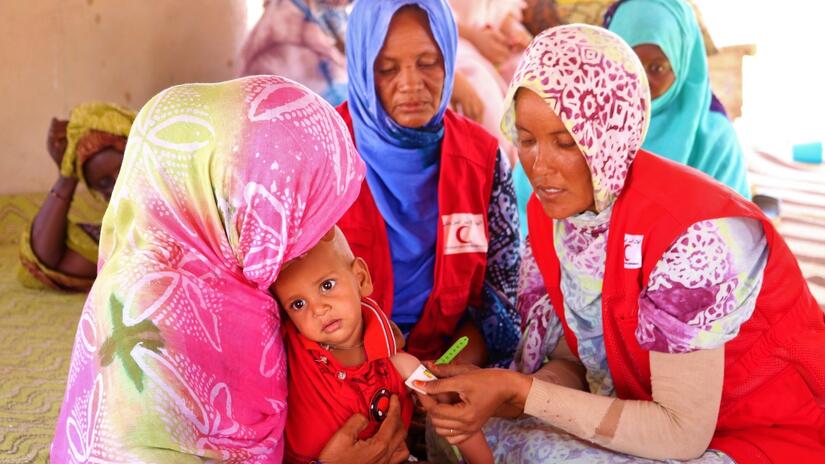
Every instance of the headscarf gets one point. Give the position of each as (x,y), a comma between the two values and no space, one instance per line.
(596,85)
(178,353)
(402,163)
(92,127)
(684,126)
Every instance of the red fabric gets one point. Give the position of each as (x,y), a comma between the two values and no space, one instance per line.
(467,154)
(320,401)
(773,397)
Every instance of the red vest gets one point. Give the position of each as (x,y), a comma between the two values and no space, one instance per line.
(773,397)
(464,187)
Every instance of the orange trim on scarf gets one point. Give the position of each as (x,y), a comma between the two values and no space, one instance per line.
(96,141)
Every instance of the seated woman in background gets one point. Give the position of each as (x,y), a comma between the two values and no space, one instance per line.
(688,124)
(664,316)
(435,220)
(55,251)
(490,41)
(302,40)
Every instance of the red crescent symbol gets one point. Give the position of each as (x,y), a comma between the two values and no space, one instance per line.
(461,236)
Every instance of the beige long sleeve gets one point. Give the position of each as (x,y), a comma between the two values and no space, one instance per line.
(677,424)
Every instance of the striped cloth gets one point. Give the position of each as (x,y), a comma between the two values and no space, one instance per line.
(801,191)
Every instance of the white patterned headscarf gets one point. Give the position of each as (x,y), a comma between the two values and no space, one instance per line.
(595,83)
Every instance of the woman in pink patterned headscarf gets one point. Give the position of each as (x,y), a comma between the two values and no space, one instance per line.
(178,355)
(663,315)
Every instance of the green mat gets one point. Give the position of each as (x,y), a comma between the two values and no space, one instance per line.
(37,330)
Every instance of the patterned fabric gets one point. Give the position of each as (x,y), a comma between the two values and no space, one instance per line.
(302,43)
(704,287)
(580,244)
(221,184)
(683,127)
(531,441)
(542,330)
(497,316)
(597,86)
(503,252)
(402,163)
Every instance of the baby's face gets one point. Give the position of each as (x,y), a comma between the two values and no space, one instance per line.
(321,292)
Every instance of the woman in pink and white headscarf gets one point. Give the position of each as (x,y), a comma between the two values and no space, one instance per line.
(178,355)
(664,317)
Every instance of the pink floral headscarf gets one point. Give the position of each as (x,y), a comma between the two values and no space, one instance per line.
(178,353)
(595,83)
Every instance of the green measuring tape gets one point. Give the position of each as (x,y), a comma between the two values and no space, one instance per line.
(445,358)
(453,351)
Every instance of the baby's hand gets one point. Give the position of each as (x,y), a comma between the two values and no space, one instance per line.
(428,401)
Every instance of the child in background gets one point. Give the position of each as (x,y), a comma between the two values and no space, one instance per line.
(340,350)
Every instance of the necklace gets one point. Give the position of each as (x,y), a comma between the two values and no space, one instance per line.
(329,347)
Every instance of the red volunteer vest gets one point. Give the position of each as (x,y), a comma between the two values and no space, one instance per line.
(773,397)
(464,187)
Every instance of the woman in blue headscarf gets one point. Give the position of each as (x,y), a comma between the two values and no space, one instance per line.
(688,125)
(436,219)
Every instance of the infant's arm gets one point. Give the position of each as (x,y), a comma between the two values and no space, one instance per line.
(411,370)
(405,363)
(475,449)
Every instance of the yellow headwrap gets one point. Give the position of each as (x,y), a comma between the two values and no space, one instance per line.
(104,117)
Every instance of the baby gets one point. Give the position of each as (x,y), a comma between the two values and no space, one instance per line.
(344,355)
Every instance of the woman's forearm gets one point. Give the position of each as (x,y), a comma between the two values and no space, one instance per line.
(48,234)
(677,424)
(563,369)
(558,371)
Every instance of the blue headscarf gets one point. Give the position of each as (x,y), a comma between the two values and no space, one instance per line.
(402,163)
(683,126)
